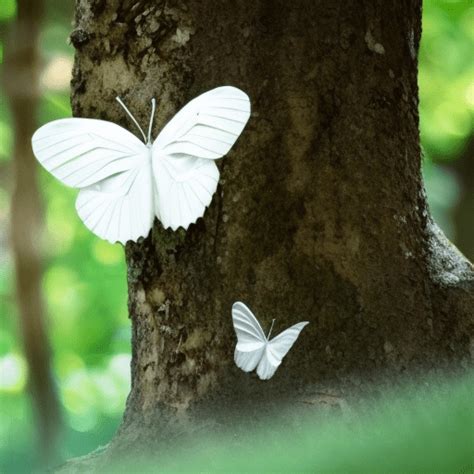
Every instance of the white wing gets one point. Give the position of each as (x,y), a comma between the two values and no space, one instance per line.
(119,208)
(110,166)
(251,340)
(276,349)
(203,130)
(184,188)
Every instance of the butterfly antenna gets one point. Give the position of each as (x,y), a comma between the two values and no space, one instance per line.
(271,327)
(119,100)
(153,106)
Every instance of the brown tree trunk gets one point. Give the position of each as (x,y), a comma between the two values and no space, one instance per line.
(320,214)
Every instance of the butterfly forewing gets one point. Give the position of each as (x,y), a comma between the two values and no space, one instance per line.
(218,115)
(281,344)
(251,340)
(111,167)
(246,326)
(80,152)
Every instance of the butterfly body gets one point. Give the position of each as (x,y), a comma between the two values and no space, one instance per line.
(255,350)
(124,182)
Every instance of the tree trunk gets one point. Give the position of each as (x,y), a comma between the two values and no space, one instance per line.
(21,79)
(320,214)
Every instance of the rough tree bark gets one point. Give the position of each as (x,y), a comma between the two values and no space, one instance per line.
(320,213)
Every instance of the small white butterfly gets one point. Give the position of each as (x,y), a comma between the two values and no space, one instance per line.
(254,349)
(125,183)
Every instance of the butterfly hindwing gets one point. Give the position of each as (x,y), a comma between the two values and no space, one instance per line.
(184,188)
(281,344)
(248,360)
(268,365)
(119,212)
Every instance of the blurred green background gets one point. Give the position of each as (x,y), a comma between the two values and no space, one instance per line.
(84,280)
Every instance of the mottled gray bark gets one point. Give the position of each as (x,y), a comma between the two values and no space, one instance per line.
(320,214)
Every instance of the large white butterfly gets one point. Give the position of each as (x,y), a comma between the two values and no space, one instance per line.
(254,349)
(124,183)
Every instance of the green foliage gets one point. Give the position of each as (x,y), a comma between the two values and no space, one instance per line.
(446,99)
(445,77)
(6,133)
(7,10)
(424,430)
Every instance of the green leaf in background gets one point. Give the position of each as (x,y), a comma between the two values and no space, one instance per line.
(54,106)
(7,10)
(446,88)
(6,133)
(446,77)
(5,140)
(54,39)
